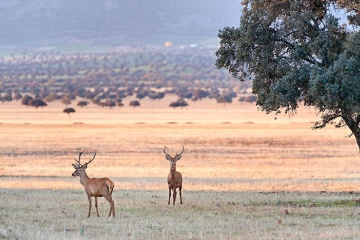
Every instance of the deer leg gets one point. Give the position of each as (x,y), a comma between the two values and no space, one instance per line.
(96,206)
(112,207)
(89,198)
(180,194)
(174,196)
(169,195)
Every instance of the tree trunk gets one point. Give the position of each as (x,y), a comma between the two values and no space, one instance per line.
(358,141)
(354,127)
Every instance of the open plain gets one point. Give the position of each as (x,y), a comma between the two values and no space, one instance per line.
(246,175)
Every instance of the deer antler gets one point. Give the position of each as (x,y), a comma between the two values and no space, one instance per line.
(91,159)
(176,155)
(173,159)
(165,151)
(78,161)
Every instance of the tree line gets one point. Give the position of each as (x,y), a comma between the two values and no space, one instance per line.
(106,78)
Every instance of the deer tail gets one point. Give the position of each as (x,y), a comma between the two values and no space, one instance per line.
(110,184)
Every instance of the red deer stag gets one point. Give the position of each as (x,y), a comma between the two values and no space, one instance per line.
(174,178)
(94,187)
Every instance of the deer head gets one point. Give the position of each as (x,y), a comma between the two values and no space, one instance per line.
(171,159)
(80,168)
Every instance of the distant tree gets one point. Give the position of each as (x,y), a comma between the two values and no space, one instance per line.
(66,99)
(141,94)
(250,99)
(156,95)
(69,110)
(82,104)
(297,50)
(200,93)
(49,98)
(96,100)
(26,99)
(89,95)
(110,103)
(214,93)
(37,103)
(179,103)
(224,99)
(119,102)
(187,95)
(6,98)
(17,96)
(128,92)
(181,91)
(242,98)
(134,103)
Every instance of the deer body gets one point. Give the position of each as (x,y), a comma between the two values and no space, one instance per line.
(95,187)
(174,178)
(98,187)
(174,181)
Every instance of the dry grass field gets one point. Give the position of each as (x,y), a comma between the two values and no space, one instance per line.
(246,174)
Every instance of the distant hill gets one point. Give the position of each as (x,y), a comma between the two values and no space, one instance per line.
(116,22)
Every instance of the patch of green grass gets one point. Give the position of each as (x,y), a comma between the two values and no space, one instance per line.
(62,214)
(321,203)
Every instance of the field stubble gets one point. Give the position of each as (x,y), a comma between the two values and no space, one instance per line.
(241,169)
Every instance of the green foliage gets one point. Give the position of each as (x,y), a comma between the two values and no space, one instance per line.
(294,51)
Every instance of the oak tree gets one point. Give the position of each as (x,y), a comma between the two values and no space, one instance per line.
(297,52)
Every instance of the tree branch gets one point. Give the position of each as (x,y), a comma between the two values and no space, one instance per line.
(326,119)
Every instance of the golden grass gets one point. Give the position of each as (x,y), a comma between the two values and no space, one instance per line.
(242,169)
(229,147)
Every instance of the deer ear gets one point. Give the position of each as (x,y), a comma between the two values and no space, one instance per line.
(75,166)
(85,166)
(168,157)
(177,158)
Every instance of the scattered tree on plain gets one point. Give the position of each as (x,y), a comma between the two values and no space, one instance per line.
(82,104)
(297,51)
(134,103)
(179,103)
(69,110)
(37,103)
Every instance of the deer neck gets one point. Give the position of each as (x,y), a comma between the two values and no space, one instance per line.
(83,178)
(172,171)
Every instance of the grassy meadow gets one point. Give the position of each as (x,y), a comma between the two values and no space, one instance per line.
(246,175)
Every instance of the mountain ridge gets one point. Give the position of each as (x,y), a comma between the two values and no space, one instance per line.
(118,22)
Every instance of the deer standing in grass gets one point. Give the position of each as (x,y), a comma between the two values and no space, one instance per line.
(94,187)
(174,178)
